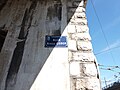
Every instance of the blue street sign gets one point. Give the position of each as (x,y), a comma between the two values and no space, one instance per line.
(55,41)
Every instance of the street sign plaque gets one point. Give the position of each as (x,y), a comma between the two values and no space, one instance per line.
(55,41)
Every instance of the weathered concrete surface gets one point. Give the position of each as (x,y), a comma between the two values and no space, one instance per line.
(23,53)
(25,64)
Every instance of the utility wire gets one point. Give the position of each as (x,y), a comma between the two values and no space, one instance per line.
(107,50)
(102,30)
(116,74)
(108,66)
(111,68)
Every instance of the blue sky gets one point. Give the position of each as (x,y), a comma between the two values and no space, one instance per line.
(108,12)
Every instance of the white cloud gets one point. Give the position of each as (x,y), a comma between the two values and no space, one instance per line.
(113,45)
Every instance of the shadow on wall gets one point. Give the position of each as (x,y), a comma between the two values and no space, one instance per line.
(26,23)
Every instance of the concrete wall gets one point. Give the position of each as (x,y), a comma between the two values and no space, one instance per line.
(25,64)
(23,53)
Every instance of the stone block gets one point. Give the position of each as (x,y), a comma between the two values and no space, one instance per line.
(77,23)
(79,14)
(88,70)
(93,84)
(78,20)
(83,36)
(90,84)
(71,28)
(74,69)
(91,70)
(70,55)
(85,46)
(81,28)
(85,57)
(80,10)
(72,45)
(73,36)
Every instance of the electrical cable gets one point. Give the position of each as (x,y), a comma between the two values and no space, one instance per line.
(109,69)
(107,50)
(102,30)
(109,66)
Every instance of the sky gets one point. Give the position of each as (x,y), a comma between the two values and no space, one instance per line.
(105,34)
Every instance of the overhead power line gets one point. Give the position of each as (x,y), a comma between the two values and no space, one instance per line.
(108,66)
(107,50)
(113,69)
(102,30)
